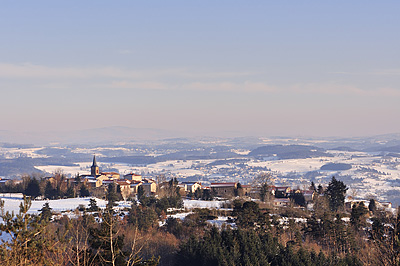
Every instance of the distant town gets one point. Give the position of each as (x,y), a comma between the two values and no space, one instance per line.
(369,167)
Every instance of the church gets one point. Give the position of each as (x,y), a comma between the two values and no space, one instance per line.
(128,185)
(96,178)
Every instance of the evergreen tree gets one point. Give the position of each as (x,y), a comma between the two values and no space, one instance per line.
(312,186)
(246,247)
(358,212)
(372,205)
(93,205)
(25,246)
(140,193)
(49,191)
(70,193)
(336,193)
(112,195)
(299,199)
(239,190)
(143,217)
(78,179)
(119,192)
(378,230)
(264,192)
(83,191)
(207,195)
(106,244)
(320,189)
(33,188)
(45,213)
(198,193)
(248,215)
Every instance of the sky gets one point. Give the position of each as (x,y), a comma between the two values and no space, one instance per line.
(312,68)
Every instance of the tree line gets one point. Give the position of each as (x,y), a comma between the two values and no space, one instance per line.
(254,233)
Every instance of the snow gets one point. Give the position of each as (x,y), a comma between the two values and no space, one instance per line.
(220,221)
(191,204)
(380,181)
(180,216)
(11,153)
(81,168)
(12,202)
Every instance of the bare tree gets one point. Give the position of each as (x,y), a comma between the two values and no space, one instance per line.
(262,184)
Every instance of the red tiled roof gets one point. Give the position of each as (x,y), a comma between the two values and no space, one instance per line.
(109,173)
(123,183)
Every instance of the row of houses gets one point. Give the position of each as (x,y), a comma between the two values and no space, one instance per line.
(230,189)
(129,185)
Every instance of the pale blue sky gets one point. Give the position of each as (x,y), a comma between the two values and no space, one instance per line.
(259,67)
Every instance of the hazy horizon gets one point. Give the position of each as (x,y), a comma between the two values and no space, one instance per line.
(259,68)
(118,134)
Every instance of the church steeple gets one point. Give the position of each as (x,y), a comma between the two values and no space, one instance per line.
(94,161)
(94,169)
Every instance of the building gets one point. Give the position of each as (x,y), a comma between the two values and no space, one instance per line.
(125,187)
(94,169)
(135,186)
(225,190)
(101,178)
(282,192)
(149,186)
(133,177)
(5,181)
(111,175)
(246,190)
(284,202)
(309,195)
(191,187)
(92,182)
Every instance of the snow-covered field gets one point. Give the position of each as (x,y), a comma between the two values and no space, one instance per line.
(191,204)
(81,168)
(11,153)
(371,175)
(13,201)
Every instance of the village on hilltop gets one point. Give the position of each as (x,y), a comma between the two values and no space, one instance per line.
(130,185)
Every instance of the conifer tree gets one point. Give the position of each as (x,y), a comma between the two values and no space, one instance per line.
(112,195)
(25,246)
(312,186)
(105,242)
(320,189)
(372,205)
(33,188)
(70,193)
(45,213)
(83,191)
(336,193)
(140,193)
(358,212)
(93,205)
(49,191)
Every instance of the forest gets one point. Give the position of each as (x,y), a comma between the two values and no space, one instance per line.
(255,233)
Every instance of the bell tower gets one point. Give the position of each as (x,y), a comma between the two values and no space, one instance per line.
(94,169)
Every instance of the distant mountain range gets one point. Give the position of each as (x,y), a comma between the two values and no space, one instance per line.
(87,136)
(118,134)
